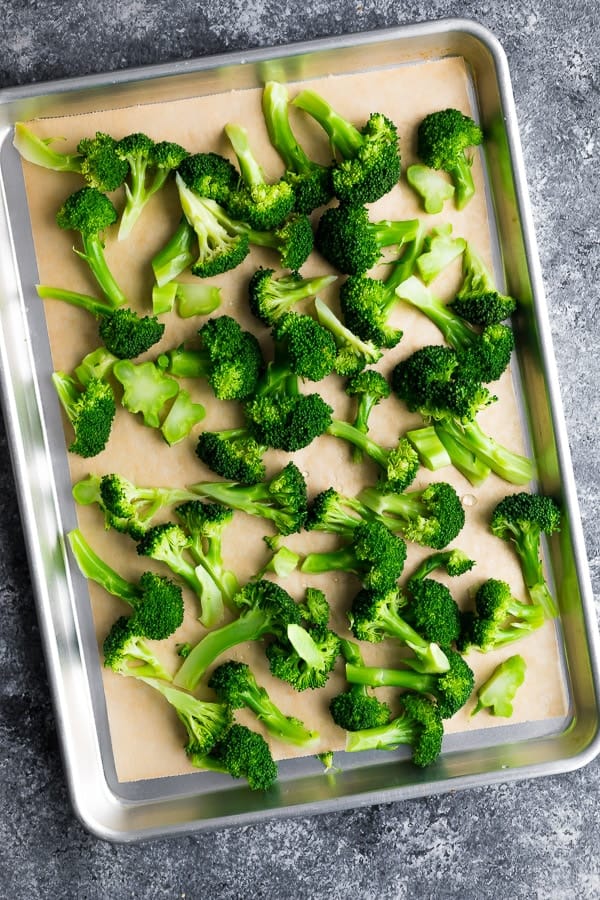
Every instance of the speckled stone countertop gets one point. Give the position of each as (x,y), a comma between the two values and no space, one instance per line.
(527,839)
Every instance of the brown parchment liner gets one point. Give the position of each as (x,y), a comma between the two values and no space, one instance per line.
(138,716)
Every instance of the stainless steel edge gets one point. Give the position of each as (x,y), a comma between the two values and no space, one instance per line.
(304,790)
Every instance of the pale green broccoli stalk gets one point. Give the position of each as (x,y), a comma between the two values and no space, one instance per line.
(433,189)
(497,693)
(146,389)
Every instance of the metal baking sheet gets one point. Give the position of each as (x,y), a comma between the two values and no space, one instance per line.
(132,810)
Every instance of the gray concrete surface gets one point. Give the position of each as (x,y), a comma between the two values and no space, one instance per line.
(533,839)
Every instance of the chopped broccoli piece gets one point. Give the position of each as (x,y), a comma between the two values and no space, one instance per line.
(233,454)
(433,611)
(281,499)
(126,653)
(137,506)
(439,250)
(293,240)
(157,603)
(235,684)
(90,410)
(254,200)
(478,301)
(523,518)
(176,256)
(353,353)
(374,555)
(499,690)
(356,709)
(146,389)
(432,187)
(270,297)
(310,181)
(431,516)
(454,562)
(450,689)
(242,754)
(265,609)
(369,164)
(150,164)
(370,388)
(352,243)
(125,334)
(430,448)
(376,615)
(305,657)
(206,722)
(206,523)
(331,511)
(419,725)
(90,212)
(302,347)
(191,300)
(499,618)
(181,418)
(443,139)
(399,465)
(209,175)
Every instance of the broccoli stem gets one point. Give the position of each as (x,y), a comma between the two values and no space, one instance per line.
(347,432)
(83,301)
(383,737)
(248,627)
(38,151)
(277,723)
(97,570)
(430,448)
(343,559)
(93,254)
(343,135)
(275,107)
(252,172)
(456,332)
(462,176)
(510,466)
(527,545)
(176,255)
(462,458)
(378,676)
(185,363)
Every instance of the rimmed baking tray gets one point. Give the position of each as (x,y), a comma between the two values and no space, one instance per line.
(132,810)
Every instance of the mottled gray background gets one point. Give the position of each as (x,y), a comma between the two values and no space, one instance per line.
(536,839)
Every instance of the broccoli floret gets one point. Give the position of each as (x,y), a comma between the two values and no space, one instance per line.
(431,516)
(419,725)
(270,297)
(376,615)
(254,200)
(265,609)
(497,693)
(293,240)
(156,602)
(136,505)
(314,608)
(399,465)
(281,499)
(146,389)
(433,611)
(370,388)
(432,187)
(333,512)
(169,543)
(229,358)
(90,212)
(310,181)
(305,657)
(374,555)
(235,684)
(205,721)
(220,246)
(150,164)
(125,334)
(86,491)
(96,159)
(450,689)
(352,243)
(303,347)
(454,562)
(499,618)
(353,353)
(126,653)
(176,256)
(369,164)
(90,411)
(478,301)
(233,454)
(443,139)
(523,518)
(242,754)
(206,523)
(356,708)
(209,175)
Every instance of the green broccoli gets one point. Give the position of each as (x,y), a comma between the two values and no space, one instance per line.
(242,754)
(310,181)
(478,301)
(183,414)
(229,358)
(431,186)
(356,709)
(206,524)
(302,347)
(146,389)
(90,411)
(262,205)
(90,212)
(270,297)
(454,562)
(281,499)
(305,656)
(499,690)
(156,602)
(370,388)
(235,685)
(523,518)
(131,504)
(431,516)
(233,454)
(352,243)
(373,554)
(150,164)
(499,618)
(96,159)
(419,725)
(177,255)
(126,652)
(353,353)
(399,465)
(432,453)
(209,175)
(433,611)
(439,249)
(335,513)
(443,139)
(450,689)
(264,607)
(125,334)
(369,163)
